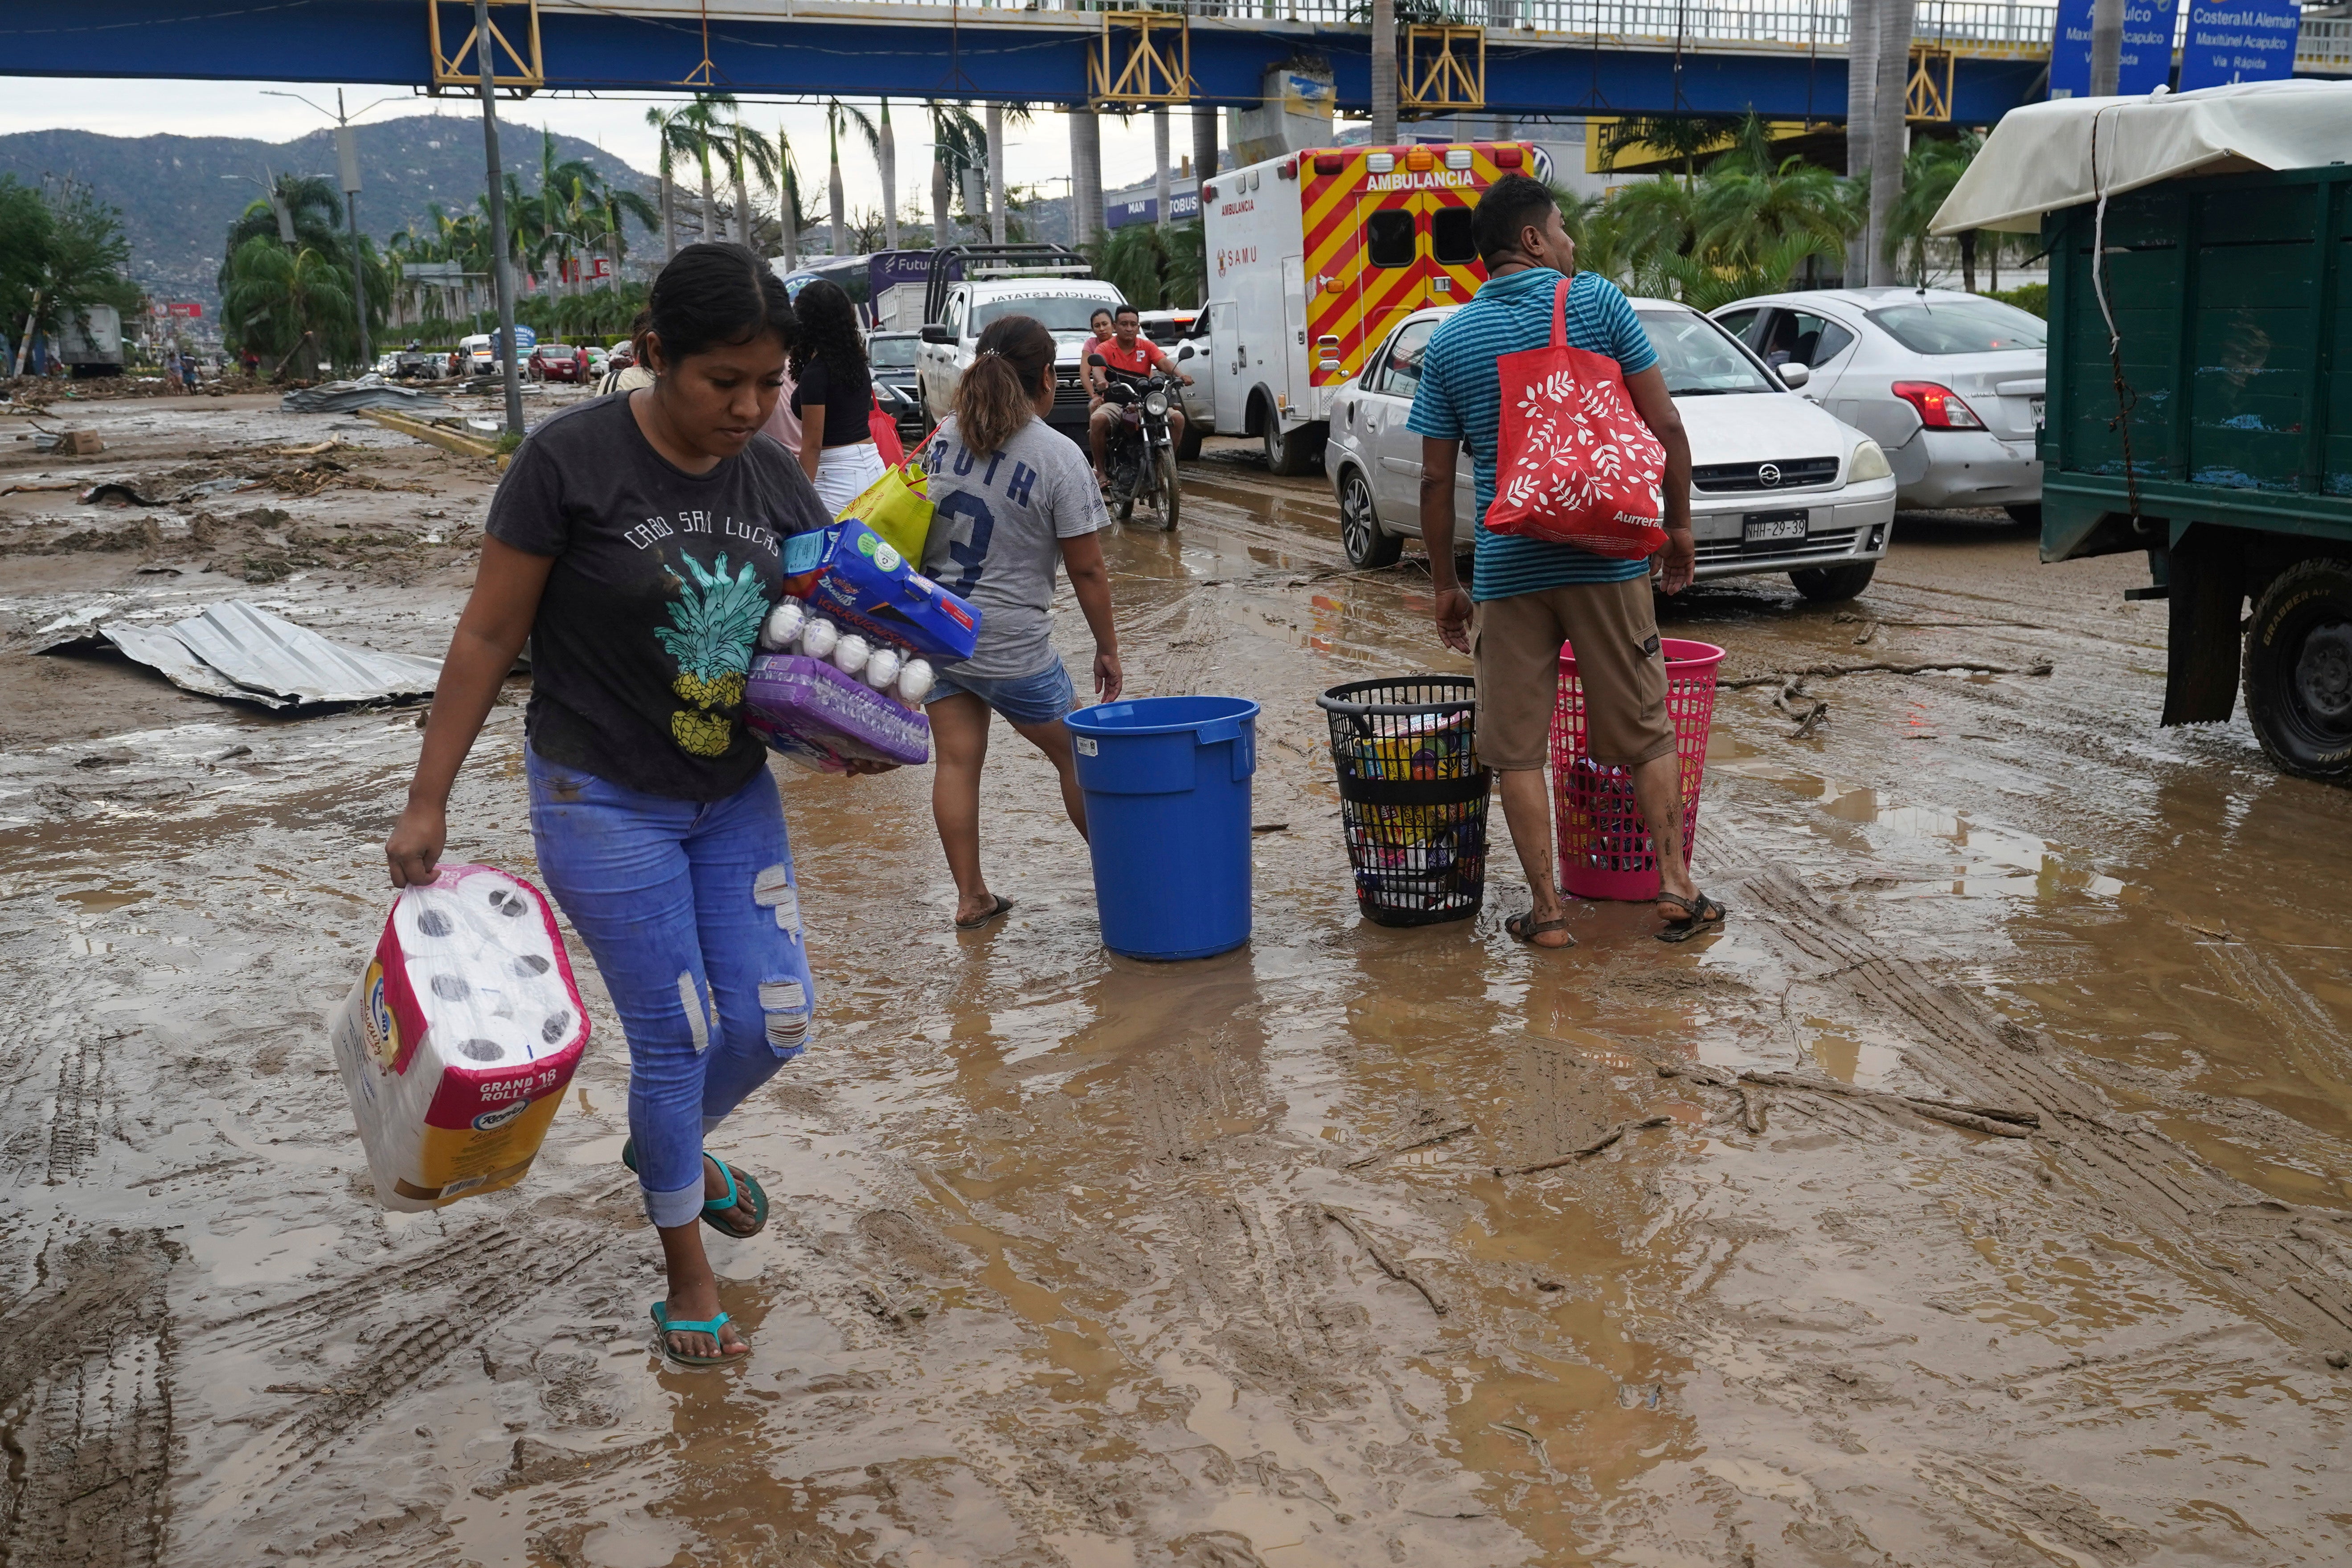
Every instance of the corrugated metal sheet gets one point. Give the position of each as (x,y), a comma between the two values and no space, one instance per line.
(265,654)
(158,648)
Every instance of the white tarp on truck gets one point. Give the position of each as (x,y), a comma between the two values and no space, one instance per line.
(2070,151)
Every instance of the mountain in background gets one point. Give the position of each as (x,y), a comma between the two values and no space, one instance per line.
(177,205)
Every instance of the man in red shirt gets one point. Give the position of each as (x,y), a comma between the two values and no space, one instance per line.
(1136,354)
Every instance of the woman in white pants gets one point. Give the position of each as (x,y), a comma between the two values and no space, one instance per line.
(833,394)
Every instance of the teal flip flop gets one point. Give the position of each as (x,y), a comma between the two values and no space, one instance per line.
(714,1207)
(666,1324)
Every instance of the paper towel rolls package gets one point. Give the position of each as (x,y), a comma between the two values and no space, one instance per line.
(457,1042)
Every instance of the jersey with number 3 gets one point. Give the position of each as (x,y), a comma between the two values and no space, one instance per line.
(996,533)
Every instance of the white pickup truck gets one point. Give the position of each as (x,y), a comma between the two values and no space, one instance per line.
(974,285)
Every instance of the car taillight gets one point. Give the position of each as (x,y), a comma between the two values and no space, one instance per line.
(1330,163)
(1208,193)
(1289,170)
(1939,407)
(1507,157)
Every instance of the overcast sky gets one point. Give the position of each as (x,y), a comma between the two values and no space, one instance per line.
(1035,155)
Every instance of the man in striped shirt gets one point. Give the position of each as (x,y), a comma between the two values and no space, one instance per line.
(1527,597)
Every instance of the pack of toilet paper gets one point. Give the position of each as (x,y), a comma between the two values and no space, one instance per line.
(458,1040)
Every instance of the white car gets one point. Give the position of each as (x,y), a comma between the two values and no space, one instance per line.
(1951,384)
(1061,304)
(1777,485)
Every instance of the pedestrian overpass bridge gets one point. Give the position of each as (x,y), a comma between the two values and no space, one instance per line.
(1972,59)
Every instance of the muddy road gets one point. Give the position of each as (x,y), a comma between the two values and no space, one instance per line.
(1085,1262)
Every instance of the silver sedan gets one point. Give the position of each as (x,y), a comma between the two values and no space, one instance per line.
(1949,385)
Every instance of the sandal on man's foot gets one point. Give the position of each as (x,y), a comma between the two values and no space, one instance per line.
(1526,927)
(713,1208)
(669,1325)
(1699,914)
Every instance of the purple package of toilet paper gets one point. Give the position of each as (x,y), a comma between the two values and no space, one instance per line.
(813,713)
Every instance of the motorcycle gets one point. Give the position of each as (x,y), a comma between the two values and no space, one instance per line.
(1141,458)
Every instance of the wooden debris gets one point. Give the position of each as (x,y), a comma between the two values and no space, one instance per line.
(1985,1119)
(1439,1136)
(1605,1140)
(2043,667)
(1393,1270)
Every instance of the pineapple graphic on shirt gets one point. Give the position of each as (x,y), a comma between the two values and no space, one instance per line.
(711,630)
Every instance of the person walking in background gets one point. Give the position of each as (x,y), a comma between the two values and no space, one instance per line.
(833,394)
(638,542)
(1011,499)
(1527,597)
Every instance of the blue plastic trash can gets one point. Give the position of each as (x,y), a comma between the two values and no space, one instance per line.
(1166,781)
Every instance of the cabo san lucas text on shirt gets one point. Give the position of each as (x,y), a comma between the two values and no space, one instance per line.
(653,529)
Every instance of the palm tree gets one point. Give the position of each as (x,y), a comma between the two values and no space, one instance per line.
(746,157)
(1929,172)
(1750,200)
(707,128)
(958,144)
(791,211)
(674,135)
(276,297)
(1713,279)
(837,113)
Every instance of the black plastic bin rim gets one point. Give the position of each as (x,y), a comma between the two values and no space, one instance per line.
(1335,701)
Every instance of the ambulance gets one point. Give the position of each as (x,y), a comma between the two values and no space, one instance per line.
(1314,255)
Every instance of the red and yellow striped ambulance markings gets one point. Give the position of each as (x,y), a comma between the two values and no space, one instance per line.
(1349,299)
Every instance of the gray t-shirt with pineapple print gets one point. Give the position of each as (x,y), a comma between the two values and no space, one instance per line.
(661,580)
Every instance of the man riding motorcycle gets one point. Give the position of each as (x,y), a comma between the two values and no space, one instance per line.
(1131,352)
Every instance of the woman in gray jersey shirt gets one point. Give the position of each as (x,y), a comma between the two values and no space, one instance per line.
(1013,499)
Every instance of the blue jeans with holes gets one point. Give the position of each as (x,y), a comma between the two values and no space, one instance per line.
(692,914)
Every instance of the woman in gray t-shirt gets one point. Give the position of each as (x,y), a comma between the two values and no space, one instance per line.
(1013,499)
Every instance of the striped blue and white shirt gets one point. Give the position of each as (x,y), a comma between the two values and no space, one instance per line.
(1461,396)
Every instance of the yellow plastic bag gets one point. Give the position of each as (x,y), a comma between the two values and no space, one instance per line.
(897,507)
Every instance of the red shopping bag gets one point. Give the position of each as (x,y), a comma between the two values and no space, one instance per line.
(885,431)
(1577,465)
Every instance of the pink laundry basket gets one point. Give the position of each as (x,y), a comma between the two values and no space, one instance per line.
(1604,850)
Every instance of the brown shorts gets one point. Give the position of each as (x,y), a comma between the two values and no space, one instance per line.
(1516,642)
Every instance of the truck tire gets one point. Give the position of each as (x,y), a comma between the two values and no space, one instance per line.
(1293,453)
(1368,546)
(2025,514)
(2298,671)
(1830,584)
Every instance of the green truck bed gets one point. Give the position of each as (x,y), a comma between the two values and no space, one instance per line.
(2226,450)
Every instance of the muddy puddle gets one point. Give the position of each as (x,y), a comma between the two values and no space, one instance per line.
(1087,1262)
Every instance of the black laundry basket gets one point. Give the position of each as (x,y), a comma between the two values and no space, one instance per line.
(1412,795)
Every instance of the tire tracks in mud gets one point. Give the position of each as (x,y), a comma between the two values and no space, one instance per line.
(2226,1235)
(86,1418)
(500,1271)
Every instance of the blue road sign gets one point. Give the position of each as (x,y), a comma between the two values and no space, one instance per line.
(2146,62)
(2240,40)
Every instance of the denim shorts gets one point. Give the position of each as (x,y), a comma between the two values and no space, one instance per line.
(1038,699)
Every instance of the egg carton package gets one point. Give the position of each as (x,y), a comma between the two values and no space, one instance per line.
(458,1040)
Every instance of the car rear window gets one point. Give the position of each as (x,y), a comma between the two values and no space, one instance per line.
(891,353)
(1961,326)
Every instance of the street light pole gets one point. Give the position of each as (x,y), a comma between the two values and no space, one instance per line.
(347,155)
(497,216)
